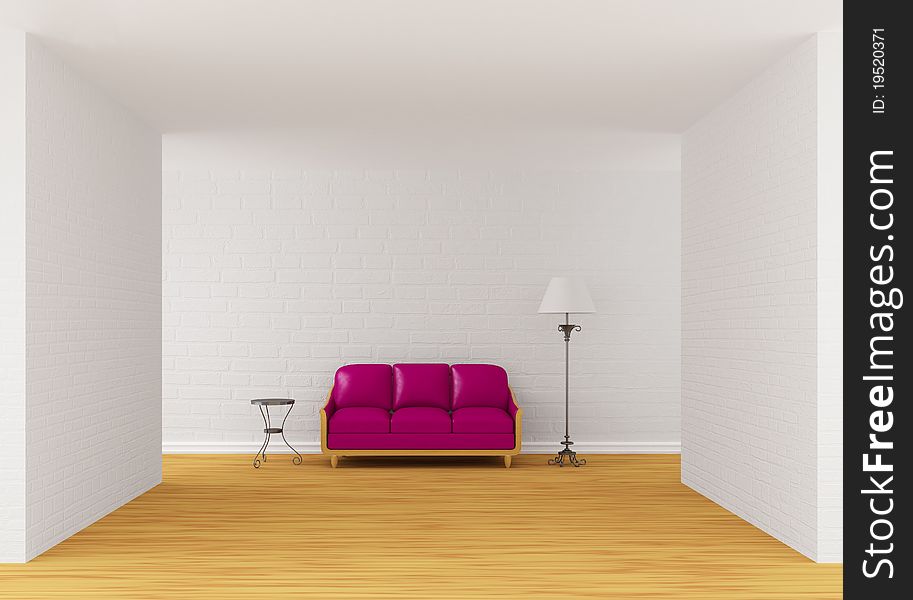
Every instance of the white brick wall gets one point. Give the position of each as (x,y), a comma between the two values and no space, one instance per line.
(12,296)
(275,277)
(830,296)
(750,345)
(93,303)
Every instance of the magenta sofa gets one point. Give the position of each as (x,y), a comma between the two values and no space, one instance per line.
(420,410)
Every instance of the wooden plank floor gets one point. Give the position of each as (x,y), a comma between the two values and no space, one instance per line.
(621,527)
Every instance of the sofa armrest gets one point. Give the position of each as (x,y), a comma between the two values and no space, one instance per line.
(330,407)
(512,406)
(517,414)
(325,413)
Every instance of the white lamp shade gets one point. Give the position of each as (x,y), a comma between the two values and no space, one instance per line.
(566,295)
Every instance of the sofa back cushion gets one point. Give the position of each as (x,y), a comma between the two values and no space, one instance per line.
(363,385)
(421,385)
(479,385)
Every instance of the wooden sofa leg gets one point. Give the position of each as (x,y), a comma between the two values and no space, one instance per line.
(334,461)
(507,460)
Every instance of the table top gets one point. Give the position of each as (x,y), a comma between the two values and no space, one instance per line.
(273,401)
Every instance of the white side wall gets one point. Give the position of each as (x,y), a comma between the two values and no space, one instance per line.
(12,296)
(278,271)
(830,297)
(760,393)
(93,303)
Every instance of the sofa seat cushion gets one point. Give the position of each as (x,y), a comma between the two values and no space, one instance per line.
(421,385)
(362,419)
(420,441)
(480,385)
(420,419)
(363,385)
(482,419)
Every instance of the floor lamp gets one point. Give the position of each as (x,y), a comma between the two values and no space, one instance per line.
(567,295)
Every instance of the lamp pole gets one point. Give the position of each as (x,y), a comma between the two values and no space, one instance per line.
(567,454)
(567,380)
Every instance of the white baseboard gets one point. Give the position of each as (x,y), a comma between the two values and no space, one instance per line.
(236,447)
(528,447)
(606,447)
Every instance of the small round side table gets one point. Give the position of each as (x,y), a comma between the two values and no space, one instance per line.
(263,404)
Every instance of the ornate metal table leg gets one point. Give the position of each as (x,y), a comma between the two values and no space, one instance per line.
(297,458)
(262,450)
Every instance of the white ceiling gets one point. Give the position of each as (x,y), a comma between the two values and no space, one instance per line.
(646,65)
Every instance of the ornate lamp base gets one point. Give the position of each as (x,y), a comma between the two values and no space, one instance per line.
(567,455)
